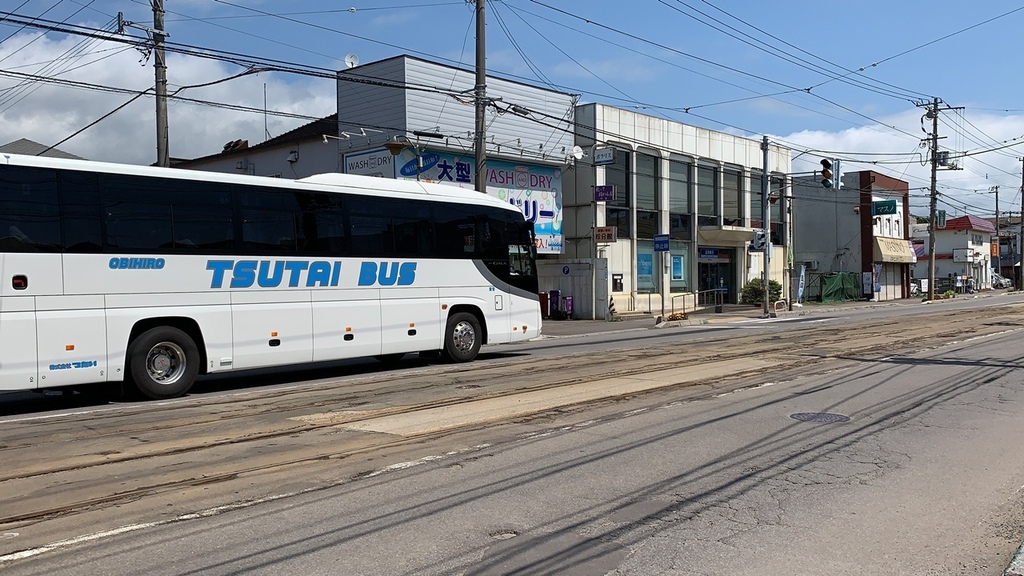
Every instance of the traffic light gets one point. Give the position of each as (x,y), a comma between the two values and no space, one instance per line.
(838,171)
(826,173)
(760,241)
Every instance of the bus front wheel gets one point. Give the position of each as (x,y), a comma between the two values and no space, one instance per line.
(462,337)
(163,362)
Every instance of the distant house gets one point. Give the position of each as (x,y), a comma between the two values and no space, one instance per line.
(278,156)
(962,249)
(30,148)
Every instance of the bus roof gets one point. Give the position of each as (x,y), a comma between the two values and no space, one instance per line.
(329,182)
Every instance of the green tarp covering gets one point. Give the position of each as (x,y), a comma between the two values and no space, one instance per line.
(841,287)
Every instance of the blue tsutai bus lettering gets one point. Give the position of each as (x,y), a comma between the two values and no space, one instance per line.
(307,273)
(274,273)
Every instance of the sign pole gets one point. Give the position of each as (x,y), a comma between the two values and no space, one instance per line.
(766,214)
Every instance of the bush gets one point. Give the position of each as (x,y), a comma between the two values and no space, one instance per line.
(753,291)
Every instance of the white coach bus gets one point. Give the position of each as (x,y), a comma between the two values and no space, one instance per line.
(151,276)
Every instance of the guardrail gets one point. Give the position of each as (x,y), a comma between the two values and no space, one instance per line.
(701,299)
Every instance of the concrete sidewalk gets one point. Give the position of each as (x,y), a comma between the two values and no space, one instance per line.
(729,313)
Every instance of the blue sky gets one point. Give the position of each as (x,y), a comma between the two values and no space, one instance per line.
(790,69)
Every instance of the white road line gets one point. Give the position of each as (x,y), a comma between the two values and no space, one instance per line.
(216,511)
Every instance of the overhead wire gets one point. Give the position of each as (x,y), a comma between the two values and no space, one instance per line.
(782,54)
(699,116)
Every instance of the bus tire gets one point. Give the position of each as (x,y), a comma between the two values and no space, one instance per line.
(462,337)
(163,362)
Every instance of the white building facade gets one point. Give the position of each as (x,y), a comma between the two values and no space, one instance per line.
(963,250)
(671,210)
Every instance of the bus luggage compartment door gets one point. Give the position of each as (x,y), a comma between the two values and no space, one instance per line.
(270,328)
(410,320)
(18,370)
(72,340)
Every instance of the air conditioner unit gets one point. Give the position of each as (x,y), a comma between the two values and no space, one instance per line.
(811,264)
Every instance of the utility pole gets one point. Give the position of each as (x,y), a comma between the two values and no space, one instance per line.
(999,246)
(933,217)
(163,157)
(1019,264)
(766,213)
(480,142)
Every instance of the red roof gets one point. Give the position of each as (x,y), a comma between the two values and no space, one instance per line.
(970,223)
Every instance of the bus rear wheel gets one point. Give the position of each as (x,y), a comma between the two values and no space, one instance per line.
(163,362)
(462,337)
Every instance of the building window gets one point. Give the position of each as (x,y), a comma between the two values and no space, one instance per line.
(646,224)
(732,197)
(756,201)
(708,208)
(679,227)
(618,174)
(618,217)
(679,186)
(778,193)
(647,180)
(679,266)
(647,276)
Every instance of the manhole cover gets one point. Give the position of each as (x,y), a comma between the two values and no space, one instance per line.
(824,417)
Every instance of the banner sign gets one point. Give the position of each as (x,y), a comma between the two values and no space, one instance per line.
(535,189)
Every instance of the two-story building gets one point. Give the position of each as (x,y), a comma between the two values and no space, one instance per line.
(963,250)
(855,236)
(671,208)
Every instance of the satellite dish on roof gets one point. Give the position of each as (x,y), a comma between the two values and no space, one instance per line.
(577,152)
(351,60)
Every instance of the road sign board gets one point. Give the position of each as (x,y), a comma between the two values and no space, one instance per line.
(883,207)
(605,234)
(604,156)
(605,193)
(661,243)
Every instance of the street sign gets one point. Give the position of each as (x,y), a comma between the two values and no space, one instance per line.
(604,156)
(940,218)
(883,207)
(605,193)
(661,242)
(605,234)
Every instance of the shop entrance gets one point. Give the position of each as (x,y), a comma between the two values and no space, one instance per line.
(715,274)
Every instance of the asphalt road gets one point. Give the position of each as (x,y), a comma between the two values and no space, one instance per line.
(881,441)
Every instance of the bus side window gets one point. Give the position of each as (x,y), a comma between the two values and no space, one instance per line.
(29,211)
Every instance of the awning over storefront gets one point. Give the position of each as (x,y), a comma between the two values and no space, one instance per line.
(894,250)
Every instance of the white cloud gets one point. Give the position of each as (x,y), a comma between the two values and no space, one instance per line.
(52,112)
(965,190)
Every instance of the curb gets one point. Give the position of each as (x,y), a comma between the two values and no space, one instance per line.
(1016,567)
